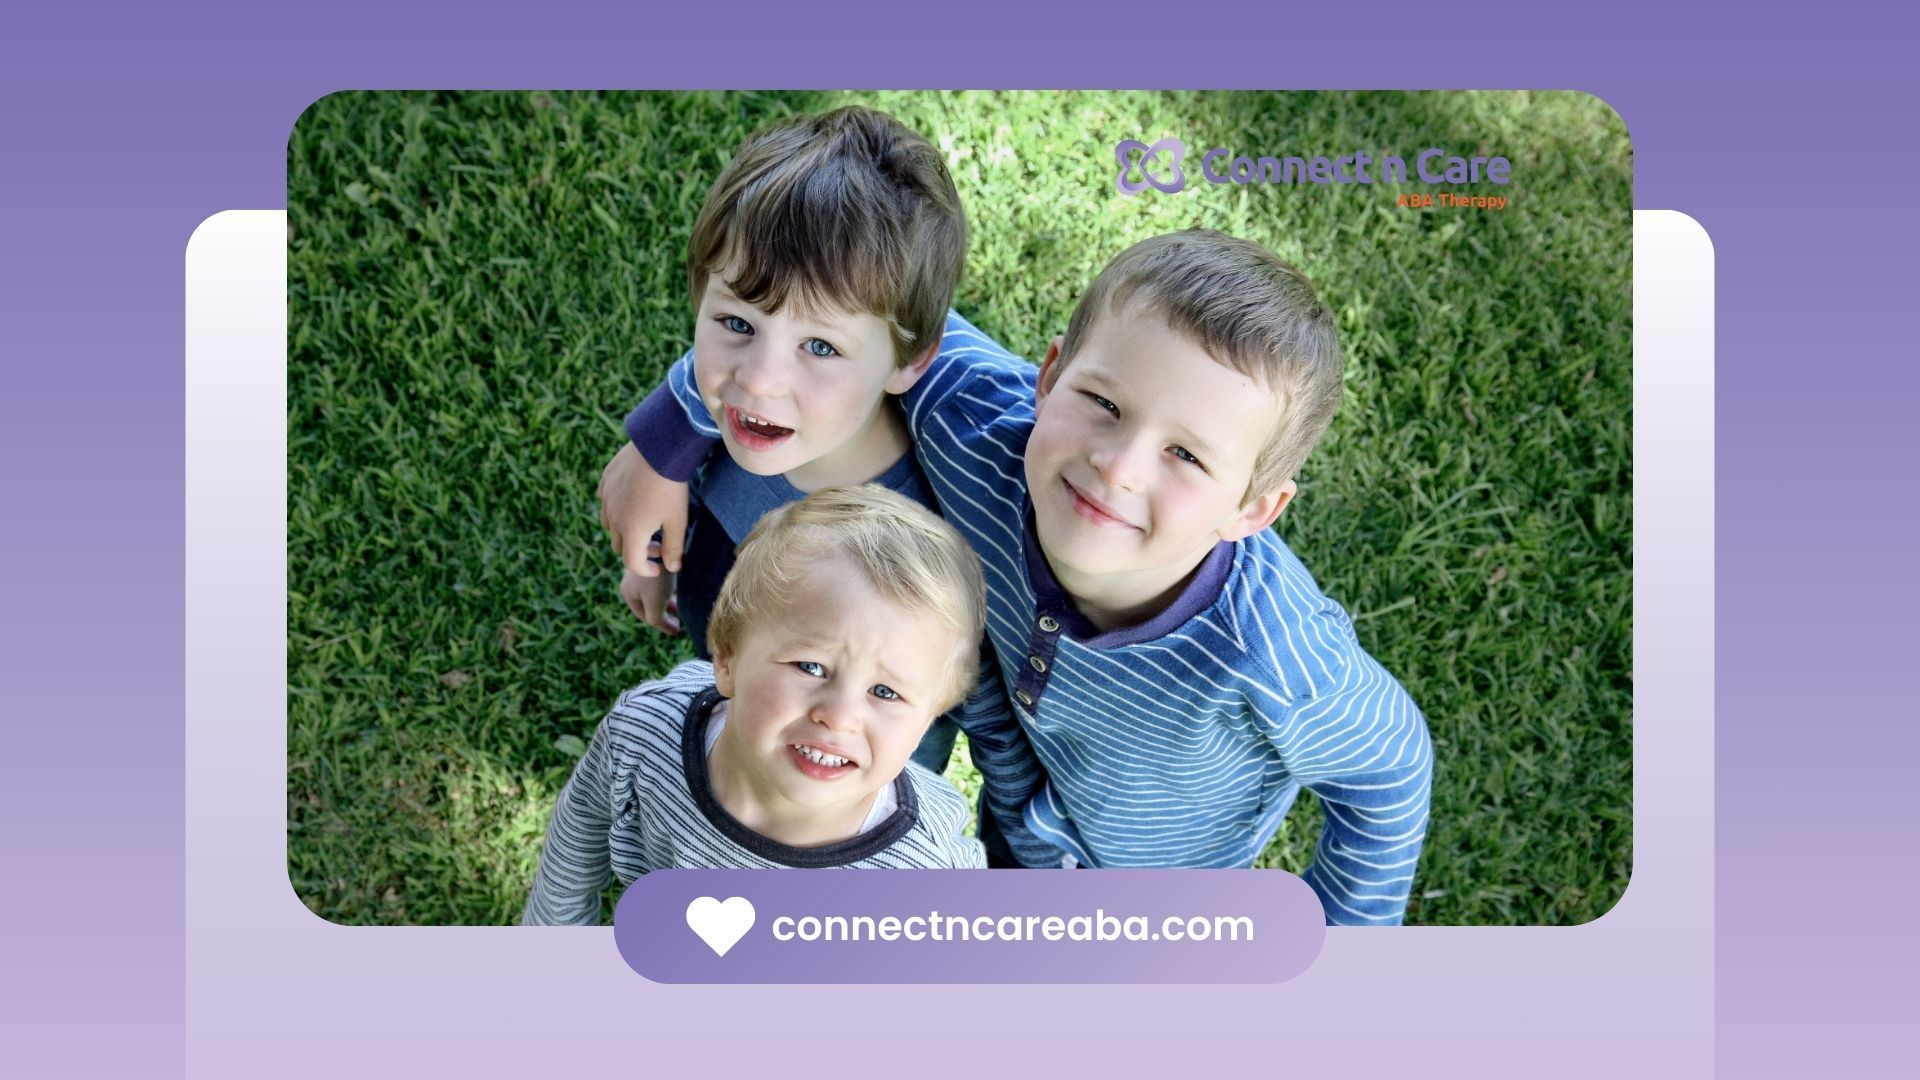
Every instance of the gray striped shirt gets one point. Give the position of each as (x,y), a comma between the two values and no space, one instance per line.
(640,800)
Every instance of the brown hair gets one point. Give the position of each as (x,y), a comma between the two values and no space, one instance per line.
(1250,311)
(850,209)
(906,552)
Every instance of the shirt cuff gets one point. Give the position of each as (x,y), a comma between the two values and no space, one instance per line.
(664,436)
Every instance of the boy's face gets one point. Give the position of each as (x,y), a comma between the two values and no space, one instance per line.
(831,697)
(1141,453)
(798,393)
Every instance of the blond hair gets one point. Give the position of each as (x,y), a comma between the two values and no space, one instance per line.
(906,552)
(1247,309)
(850,209)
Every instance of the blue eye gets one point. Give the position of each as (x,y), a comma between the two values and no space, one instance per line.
(816,347)
(809,667)
(885,692)
(1185,455)
(1104,403)
(735,324)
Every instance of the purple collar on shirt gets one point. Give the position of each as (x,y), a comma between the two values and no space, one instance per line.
(1199,594)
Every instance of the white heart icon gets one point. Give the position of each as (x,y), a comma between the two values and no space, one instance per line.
(720,924)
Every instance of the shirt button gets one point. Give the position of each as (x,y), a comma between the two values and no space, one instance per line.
(1049,624)
(1037,664)
(1023,698)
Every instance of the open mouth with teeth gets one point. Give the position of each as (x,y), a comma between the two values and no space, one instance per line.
(754,432)
(819,764)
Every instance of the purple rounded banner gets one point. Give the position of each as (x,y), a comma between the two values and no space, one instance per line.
(968,926)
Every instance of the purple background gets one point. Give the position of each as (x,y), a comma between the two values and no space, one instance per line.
(1288,927)
(1788,136)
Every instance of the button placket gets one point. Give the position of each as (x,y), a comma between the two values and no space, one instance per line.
(1041,646)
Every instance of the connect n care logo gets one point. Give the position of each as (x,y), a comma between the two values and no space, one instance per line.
(1158,166)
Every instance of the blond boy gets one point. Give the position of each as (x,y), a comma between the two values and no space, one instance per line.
(850,621)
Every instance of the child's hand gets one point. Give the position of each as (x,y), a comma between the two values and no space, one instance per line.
(635,503)
(652,600)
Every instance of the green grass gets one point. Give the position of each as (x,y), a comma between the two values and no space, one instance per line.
(482,284)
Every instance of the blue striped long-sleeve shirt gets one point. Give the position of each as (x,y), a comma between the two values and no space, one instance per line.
(1181,741)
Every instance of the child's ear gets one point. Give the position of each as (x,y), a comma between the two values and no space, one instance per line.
(1049,369)
(1259,514)
(723,674)
(903,378)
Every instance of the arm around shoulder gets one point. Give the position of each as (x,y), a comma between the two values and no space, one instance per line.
(663,430)
(643,490)
(971,369)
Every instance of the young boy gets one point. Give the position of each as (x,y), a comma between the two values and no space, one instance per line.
(1176,668)
(851,620)
(821,267)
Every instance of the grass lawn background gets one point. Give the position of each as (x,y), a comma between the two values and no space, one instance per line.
(482,284)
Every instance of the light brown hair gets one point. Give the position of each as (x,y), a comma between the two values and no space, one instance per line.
(850,209)
(1247,309)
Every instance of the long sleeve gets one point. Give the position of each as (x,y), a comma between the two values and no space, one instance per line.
(1009,772)
(575,863)
(671,428)
(963,852)
(1362,748)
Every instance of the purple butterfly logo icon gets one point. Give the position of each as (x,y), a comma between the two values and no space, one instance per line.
(1159,166)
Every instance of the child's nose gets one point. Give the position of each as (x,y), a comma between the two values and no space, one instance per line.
(1119,464)
(835,712)
(761,372)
